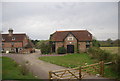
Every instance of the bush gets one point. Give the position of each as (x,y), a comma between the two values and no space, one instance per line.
(99,54)
(12,52)
(45,48)
(61,50)
(116,64)
(104,56)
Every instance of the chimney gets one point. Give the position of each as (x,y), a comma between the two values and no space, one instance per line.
(10,31)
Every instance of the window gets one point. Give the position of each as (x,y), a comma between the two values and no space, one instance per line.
(13,38)
(70,38)
(87,44)
(12,43)
(88,35)
(3,39)
(2,43)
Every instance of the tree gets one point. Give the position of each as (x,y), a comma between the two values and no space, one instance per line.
(34,41)
(44,46)
(109,40)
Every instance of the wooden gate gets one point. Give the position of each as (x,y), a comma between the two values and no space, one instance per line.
(79,72)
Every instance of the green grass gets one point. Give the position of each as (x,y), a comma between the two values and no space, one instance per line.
(109,73)
(0,68)
(76,60)
(71,60)
(112,50)
(11,70)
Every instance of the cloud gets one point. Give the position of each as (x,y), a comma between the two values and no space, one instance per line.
(41,19)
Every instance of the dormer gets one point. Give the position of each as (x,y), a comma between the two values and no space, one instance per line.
(13,38)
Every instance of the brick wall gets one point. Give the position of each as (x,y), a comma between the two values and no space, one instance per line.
(18,44)
(57,45)
(25,41)
(82,46)
(9,44)
(70,42)
(67,42)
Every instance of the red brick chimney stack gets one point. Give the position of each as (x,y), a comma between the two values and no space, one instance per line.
(10,31)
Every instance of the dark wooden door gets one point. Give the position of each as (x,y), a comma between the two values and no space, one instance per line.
(53,48)
(16,50)
(70,48)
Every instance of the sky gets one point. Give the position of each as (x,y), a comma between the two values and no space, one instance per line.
(40,19)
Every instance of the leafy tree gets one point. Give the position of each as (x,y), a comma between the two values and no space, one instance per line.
(34,41)
(44,46)
(109,40)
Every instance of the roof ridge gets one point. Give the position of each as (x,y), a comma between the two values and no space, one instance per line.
(72,31)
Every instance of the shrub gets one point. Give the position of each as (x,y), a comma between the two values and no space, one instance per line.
(45,48)
(99,54)
(104,56)
(61,50)
(116,64)
(12,52)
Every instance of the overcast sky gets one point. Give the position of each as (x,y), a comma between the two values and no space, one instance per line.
(40,19)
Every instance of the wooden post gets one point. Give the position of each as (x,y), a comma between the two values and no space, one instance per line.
(80,73)
(50,76)
(102,68)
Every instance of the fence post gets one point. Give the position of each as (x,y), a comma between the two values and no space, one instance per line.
(102,68)
(50,76)
(80,73)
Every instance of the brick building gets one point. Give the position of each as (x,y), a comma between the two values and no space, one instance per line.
(16,43)
(74,41)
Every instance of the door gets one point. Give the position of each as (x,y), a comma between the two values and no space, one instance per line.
(53,48)
(16,50)
(70,48)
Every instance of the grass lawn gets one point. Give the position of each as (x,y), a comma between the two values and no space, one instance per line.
(11,70)
(75,60)
(112,50)
(70,60)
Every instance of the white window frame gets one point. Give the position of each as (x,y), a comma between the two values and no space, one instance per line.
(70,38)
(13,38)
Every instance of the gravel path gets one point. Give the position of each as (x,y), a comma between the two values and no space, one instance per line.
(38,67)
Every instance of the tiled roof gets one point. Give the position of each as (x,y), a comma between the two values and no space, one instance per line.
(81,35)
(29,44)
(18,37)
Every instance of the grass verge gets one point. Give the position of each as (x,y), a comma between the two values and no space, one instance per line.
(11,70)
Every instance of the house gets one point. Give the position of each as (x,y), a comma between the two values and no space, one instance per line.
(16,43)
(74,41)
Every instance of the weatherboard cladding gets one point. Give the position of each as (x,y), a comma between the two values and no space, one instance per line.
(80,35)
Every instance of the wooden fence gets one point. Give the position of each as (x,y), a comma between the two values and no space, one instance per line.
(79,72)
